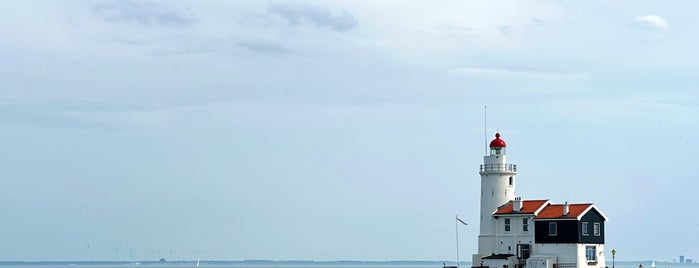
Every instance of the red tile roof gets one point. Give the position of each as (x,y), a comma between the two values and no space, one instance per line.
(528,207)
(555,211)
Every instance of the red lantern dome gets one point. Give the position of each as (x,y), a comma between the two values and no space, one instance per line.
(497,142)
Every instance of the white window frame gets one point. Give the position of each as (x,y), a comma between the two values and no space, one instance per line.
(597,229)
(525,225)
(555,228)
(591,257)
(508,225)
(584,229)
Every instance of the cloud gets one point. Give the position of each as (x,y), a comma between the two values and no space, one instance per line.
(527,25)
(145,13)
(83,114)
(294,14)
(642,107)
(518,72)
(49,115)
(262,46)
(651,22)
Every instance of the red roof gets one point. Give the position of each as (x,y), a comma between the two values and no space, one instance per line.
(556,211)
(497,142)
(528,207)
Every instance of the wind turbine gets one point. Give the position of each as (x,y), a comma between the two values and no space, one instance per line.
(131,250)
(116,254)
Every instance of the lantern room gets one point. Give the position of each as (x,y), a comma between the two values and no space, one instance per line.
(497,146)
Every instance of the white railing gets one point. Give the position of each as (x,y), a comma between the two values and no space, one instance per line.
(499,167)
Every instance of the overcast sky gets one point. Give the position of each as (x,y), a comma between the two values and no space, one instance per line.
(331,130)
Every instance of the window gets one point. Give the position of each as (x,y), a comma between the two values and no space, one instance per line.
(584,229)
(525,225)
(497,151)
(596,230)
(507,224)
(553,229)
(523,251)
(511,180)
(591,253)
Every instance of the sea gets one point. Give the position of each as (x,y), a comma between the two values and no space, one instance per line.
(303,264)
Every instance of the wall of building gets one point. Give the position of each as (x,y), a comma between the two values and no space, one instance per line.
(541,261)
(565,253)
(567,231)
(571,255)
(599,254)
(506,242)
(591,217)
(498,263)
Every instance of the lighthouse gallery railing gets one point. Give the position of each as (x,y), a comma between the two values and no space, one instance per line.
(499,167)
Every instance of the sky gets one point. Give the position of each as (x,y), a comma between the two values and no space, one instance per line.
(338,130)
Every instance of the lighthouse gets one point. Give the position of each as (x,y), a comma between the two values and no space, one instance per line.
(497,188)
(517,233)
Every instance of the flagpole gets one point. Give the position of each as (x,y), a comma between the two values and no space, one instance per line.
(485,129)
(456,224)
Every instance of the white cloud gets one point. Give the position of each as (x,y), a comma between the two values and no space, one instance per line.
(518,73)
(144,13)
(652,22)
(639,108)
(263,46)
(340,21)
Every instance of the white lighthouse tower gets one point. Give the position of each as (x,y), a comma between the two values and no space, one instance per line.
(497,188)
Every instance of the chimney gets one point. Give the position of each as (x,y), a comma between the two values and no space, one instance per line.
(566,209)
(517,204)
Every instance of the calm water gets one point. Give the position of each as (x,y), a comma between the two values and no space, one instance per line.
(240,266)
(617,265)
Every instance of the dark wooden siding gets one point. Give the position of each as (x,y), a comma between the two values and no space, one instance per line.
(591,218)
(567,232)
(570,231)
